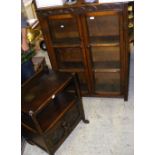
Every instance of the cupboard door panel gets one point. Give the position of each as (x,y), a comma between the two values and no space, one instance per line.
(71,117)
(54,137)
(63,128)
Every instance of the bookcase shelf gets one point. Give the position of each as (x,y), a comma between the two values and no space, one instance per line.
(104,41)
(110,65)
(65,42)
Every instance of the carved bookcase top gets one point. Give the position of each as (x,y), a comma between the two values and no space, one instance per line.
(80,9)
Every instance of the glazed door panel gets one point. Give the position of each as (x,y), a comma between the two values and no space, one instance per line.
(64,29)
(104,50)
(67,47)
(103,27)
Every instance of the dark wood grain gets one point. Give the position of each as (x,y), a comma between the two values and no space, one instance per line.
(34,99)
(51,109)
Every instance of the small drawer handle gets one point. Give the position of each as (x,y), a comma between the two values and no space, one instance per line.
(64,124)
(30,112)
(53,96)
(62,26)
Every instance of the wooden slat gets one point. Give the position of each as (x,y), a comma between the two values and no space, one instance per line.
(66,16)
(102,13)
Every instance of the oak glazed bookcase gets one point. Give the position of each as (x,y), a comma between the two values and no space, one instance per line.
(91,40)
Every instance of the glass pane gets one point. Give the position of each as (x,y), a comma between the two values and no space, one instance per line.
(107,82)
(103,27)
(64,30)
(105,57)
(69,58)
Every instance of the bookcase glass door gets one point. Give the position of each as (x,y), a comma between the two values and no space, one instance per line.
(64,29)
(67,46)
(104,48)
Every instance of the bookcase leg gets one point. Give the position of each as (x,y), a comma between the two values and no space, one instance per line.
(29,141)
(49,152)
(85,121)
(126,97)
(83,115)
(77,83)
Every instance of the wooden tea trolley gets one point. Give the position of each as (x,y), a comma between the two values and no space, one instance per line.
(51,109)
